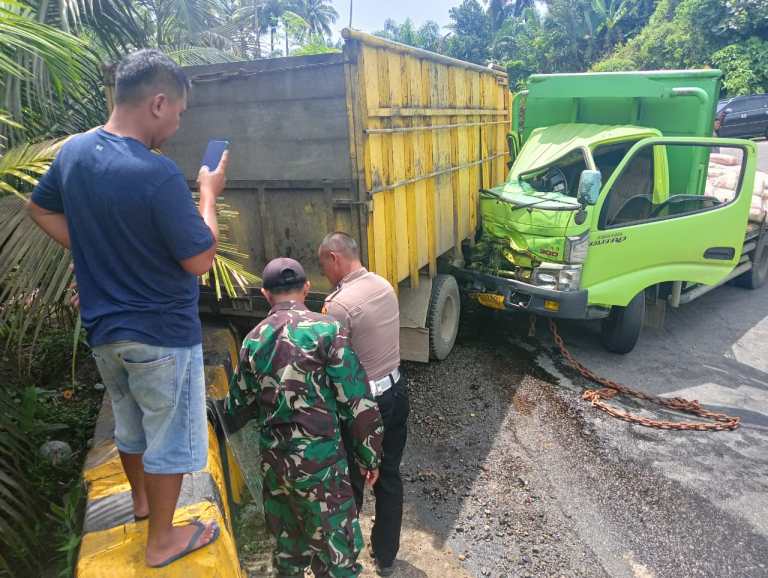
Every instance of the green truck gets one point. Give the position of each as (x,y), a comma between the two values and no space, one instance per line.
(607,212)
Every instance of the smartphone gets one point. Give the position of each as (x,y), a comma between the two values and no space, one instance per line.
(213,153)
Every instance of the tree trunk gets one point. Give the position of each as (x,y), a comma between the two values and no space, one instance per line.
(286,39)
(271,41)
(257,29)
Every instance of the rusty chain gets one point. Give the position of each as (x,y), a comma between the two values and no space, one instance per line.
(719,421)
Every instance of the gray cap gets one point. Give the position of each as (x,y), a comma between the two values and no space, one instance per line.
(282,272)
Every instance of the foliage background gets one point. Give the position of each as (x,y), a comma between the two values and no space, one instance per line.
(529,36)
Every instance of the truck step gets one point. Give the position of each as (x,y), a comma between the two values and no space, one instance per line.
(698,290)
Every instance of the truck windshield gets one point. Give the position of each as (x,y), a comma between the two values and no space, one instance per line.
(561,176)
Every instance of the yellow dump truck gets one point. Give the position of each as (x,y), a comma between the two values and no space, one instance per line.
(386,142)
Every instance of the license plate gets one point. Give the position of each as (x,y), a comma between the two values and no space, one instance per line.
(491,300)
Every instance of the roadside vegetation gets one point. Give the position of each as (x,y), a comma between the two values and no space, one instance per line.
(530,36)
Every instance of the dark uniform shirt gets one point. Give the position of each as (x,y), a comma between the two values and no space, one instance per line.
(298,367)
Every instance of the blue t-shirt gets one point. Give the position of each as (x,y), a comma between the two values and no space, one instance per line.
(131,221)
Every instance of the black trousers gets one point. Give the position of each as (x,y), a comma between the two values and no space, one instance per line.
(385,536)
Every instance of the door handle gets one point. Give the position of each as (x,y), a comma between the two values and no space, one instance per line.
(720,253)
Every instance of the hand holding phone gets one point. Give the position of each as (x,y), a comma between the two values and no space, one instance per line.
(213,153)
(212,176)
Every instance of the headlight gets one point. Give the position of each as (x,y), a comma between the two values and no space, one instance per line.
(545,278)
(576,248)
(557,277)
(569,279)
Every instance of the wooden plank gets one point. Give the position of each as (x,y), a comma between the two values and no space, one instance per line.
(397,224)
(453,95)
(428,144)
(371,74)
(356,114)
(380,235)
(485,173)
(413,169)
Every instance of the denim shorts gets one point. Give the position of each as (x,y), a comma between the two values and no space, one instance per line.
(158,399)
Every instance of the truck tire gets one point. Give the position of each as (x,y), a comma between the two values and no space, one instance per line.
(758,274)
(621,329)
(443,316)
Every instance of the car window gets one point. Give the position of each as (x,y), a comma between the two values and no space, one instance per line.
(607,157)
(698,179)
(746,103)
(561,176)
(631,196)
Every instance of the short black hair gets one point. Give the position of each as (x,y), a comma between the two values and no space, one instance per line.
(147,69)
(283,289)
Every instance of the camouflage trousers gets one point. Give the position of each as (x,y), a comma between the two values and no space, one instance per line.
(312,516)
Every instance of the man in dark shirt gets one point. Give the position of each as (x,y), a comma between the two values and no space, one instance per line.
(138,244)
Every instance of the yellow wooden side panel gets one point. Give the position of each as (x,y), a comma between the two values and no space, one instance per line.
(426,153)
(443,161)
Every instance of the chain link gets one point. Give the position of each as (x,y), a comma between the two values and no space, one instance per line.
(719,421)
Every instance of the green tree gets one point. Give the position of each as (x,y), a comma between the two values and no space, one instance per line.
(745,66)
(609,14)
(319,15)
(427,36)
(700,33)
(471,33)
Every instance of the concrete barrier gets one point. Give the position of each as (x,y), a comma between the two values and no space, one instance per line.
(113,543)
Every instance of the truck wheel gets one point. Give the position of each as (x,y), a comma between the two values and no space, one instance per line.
(443,316)
(758,274)
(621,329)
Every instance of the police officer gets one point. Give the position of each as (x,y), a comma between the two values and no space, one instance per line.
(366,305)
(297,367)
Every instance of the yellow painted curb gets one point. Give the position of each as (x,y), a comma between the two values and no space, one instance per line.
(119,552)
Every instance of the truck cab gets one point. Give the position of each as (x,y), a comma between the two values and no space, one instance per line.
(607,208)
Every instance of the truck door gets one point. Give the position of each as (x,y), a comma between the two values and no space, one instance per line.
(658,219)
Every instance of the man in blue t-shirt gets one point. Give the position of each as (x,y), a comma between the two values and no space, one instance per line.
(138,244)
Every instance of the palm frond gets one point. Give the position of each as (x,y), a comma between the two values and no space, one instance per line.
(66,57)
(115,24)
(16,502)
(20,166)
(190,55)
(46,73)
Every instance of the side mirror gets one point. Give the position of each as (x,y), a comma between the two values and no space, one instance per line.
(590,184)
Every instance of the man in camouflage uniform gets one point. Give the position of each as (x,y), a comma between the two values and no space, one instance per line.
(305,380)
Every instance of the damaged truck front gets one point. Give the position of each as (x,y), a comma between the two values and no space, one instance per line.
(607,209)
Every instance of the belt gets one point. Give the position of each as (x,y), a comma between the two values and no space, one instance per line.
(379,386)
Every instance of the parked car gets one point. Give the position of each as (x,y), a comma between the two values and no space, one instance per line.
(743,116)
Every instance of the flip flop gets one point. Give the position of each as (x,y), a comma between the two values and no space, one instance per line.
(189,549)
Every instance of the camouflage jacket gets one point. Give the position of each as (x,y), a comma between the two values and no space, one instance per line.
(298,368)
